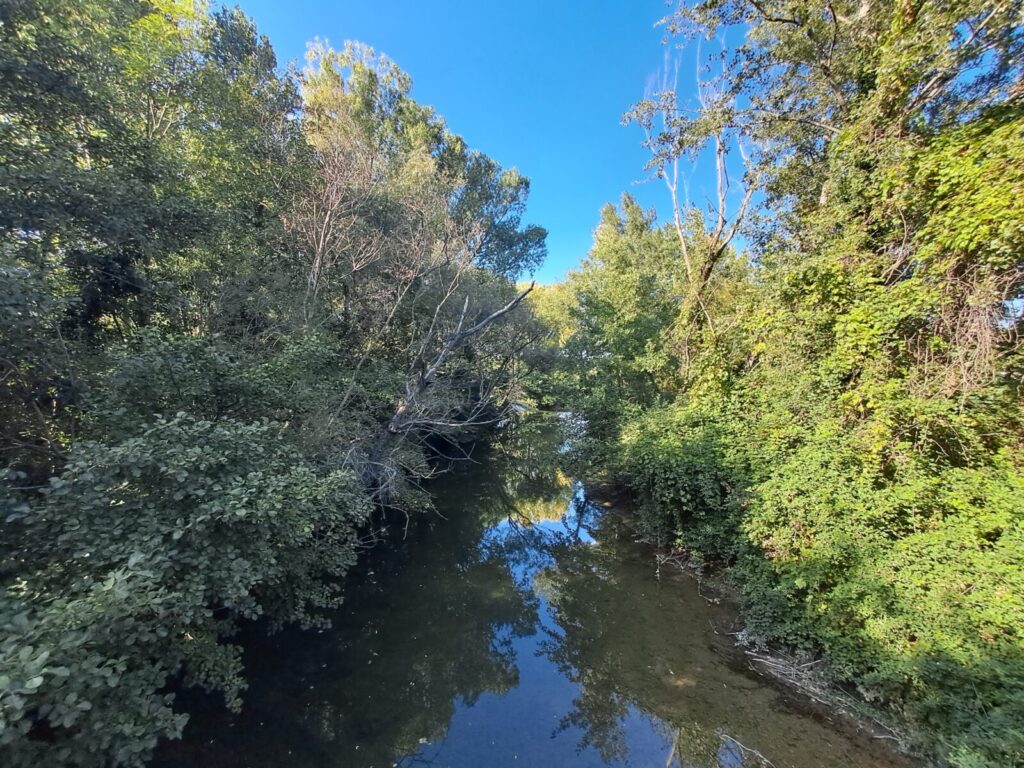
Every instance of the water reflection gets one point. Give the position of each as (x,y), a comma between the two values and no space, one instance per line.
(520,627)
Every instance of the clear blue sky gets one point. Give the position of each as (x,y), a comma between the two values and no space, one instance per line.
(536,84)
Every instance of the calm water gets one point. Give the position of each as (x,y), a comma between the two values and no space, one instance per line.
(519,627)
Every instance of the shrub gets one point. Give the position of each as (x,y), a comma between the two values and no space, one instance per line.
(139,559)
(690,492)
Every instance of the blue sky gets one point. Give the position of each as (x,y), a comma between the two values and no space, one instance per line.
(536,84)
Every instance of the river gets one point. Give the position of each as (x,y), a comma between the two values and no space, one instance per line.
(520,626)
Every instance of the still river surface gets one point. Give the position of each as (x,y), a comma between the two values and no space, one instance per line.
(520,626)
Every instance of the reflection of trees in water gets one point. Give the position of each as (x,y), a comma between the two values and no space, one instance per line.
(430,621)
(439,628)
(577,642)
(545,520)
(525,489)
(434,635)
(605,611)
(526,481)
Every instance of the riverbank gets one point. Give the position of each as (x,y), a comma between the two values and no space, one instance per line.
(803,679)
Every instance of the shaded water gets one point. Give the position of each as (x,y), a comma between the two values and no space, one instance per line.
(519,627)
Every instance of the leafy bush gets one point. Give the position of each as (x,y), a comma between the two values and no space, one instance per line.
(138,558)
(691,496)
(911,586)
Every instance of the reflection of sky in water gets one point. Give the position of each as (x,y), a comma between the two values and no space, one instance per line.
(730,754)
(525,726)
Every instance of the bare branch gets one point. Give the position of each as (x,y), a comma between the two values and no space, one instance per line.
(418,384)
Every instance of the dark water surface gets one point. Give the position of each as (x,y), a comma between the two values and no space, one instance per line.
(519,627)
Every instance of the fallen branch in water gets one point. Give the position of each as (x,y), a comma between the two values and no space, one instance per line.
(747,750)
(672,752)
(804,678)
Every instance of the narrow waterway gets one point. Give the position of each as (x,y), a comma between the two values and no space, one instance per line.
(520,626)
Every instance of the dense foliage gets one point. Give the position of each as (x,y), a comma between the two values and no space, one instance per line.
(242,313)
(832,405)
